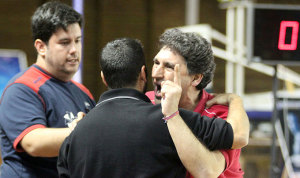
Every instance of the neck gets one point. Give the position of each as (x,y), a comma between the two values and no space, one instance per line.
(140,86)
(190,100)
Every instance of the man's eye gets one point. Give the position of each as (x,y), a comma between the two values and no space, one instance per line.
(78,41)
(169,67)
(64,43)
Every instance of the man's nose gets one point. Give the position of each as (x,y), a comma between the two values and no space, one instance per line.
(157,71)
(74,47)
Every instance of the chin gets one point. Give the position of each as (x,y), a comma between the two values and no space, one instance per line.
(157,100)
(72,69)
(70,72)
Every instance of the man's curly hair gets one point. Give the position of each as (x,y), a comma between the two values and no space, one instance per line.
(196,51)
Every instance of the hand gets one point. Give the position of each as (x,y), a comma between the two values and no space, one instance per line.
(223,99)
(171,93)
(73,124)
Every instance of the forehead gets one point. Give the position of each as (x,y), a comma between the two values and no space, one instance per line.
(72,31)
(168,55)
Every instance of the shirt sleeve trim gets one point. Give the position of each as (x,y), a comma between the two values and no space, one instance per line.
(25,132)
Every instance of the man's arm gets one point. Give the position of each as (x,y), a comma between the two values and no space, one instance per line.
(196,158)
(214,134)
(237,117)
(46,142)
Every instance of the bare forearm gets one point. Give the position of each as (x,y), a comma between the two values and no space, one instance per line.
(44,142)
(239,121)
(196,158)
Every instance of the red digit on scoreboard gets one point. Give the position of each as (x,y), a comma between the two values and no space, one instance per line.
(282,34)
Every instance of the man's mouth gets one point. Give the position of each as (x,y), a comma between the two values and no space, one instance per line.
(157,91)
(73,61)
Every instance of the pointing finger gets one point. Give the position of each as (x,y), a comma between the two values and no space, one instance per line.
(177,77)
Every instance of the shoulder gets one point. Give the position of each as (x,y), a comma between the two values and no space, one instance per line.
(151,96)
(216,111)
(33,78)
(83,88)
(17,90)
(20,96)
(24,87)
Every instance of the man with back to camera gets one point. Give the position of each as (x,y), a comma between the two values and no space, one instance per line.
(194,54)
(38,104)
(124,135)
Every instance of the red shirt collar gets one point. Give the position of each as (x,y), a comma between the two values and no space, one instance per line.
(204,98)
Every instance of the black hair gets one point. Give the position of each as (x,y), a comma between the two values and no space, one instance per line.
(196,51)
(121,62)
(51,16)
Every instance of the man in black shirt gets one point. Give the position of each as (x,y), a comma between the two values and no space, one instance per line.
(125,135)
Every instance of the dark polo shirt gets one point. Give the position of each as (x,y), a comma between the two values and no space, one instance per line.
(125,136)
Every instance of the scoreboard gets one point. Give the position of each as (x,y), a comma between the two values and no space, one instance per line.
(273,34)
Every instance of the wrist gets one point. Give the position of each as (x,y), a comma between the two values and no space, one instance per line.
(166,118)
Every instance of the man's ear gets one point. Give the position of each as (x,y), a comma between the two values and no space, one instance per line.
(197,79)
(40,47)
(103,79)
(143,74)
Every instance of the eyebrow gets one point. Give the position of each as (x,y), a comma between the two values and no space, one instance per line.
(64,39)
(171,65)
(167,64)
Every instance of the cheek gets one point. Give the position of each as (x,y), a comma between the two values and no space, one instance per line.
(185,83)
(78,46)
(56,58)
(153,70)
(169,76)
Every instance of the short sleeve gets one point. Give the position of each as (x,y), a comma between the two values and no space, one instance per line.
(21,110)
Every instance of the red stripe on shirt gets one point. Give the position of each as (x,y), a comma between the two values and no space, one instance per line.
(25,132)
(83,88)
(34,79)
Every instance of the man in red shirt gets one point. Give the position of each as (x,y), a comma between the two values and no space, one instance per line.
(194,55)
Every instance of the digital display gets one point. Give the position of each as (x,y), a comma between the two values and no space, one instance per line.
(289,45)
(276,35)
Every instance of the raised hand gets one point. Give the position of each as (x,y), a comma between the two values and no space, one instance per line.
(171,93)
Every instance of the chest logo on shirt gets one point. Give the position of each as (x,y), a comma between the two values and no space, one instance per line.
(87,107)
(69,117)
